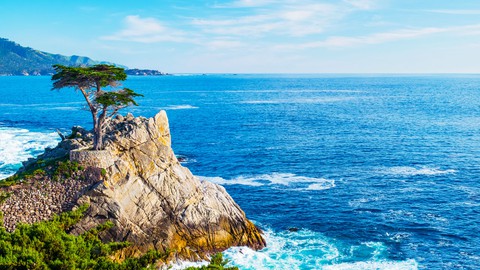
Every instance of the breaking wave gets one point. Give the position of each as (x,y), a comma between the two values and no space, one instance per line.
(17,145)
(413,171)
(180,107)
(306,249)
(299,101)
(287,180)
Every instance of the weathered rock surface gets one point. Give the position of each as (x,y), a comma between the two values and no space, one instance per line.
(154,201)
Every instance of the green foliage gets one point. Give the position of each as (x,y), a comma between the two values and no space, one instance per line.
(10,181)
(216,263)
(47,245)
(55,168)
(39,172)
(4,196)
(97,85)
(119,98)
(37,168)
(66,169)
(87,77)
(103,172)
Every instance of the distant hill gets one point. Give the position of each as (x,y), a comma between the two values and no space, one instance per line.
(144,72)
(24,61)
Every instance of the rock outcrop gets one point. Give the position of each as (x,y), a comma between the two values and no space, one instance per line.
(153,200)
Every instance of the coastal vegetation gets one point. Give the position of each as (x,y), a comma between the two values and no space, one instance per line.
(40,167)
(93,83)
(48,245)
(216,263)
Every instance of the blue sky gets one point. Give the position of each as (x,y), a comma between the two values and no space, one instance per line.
(256,36)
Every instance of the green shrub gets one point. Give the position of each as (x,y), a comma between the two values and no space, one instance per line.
(216,263)
(4,196)
(39,172)
(40,167)
(66,169)
(47,245)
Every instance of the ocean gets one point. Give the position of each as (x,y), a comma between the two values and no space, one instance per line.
(339,171)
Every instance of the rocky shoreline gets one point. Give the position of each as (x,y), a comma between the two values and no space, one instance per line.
(136,183)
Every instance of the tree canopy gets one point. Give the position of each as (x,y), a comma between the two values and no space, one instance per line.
(98,84)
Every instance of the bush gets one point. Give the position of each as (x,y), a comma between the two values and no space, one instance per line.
(216,263)
(40,167)
(66,169)
(47,245)
(4,196)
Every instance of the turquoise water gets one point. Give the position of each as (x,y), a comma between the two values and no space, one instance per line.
(375,172)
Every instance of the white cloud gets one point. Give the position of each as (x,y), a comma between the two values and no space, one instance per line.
(362,4)
(456,11)
(146,30)
(289,19)
(246,3)
(222,44)
(384,37)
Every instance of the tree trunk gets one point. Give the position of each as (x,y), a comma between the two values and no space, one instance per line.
(99,130)
(97,137)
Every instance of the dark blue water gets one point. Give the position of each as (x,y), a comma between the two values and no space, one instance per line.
(377,172)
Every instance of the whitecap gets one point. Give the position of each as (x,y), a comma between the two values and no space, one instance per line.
(60,108)
(398,237)
(327,184)
(306,249)
(17,145)
(299,101)
(283,180)
(181,265)
(286,250)
(360,201)
(237,181)
(377,265)
(180,107)
(415,171)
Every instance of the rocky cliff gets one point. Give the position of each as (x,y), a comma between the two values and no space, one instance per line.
(153,200)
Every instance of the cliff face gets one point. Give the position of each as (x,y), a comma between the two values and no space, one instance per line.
(153,200)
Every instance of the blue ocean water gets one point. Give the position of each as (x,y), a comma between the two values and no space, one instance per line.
(375,172)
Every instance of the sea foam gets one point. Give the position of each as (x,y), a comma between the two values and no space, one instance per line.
(374,265)
(17,145)
(180,107)
(414,171)
(306,249)
(279,180)
(299,100)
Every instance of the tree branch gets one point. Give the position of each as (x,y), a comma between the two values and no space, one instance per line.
(89,102)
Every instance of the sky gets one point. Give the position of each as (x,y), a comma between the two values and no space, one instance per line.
(255,36)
